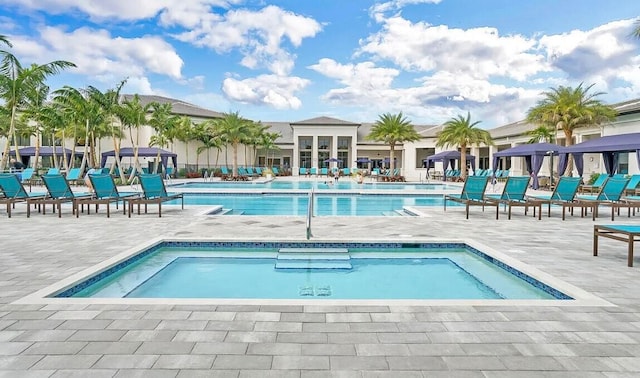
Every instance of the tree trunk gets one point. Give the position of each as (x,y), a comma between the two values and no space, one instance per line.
(463,161)
(235,159)
(568,142)
(7,147)
(392,155)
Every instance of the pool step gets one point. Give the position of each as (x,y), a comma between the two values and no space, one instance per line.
(313,258)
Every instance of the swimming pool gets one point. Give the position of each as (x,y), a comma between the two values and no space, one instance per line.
(329,184)
(324,204)
(311,270)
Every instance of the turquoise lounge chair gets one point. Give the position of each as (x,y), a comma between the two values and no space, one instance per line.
(53,171)
(610,195)
(224,173)
(276,171)
(472,194)
(26,177)
(303,171)
(563,195)
(105,192)
(73,176)
(634,180)
(324,171)
(13,192)
(513,194)
(313,171)
(58,192)
(154,192)
(596,184)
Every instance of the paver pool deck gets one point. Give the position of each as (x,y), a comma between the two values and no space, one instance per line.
(114,340)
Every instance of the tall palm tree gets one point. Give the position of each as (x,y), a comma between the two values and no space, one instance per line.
(109,101)
(567,108)
(461,133)
(15,83)
(133,115)
(234,130)
(32,114)
(86,117)
(268,143)
(636,30)
(185,132)
(393,129)
(163,123)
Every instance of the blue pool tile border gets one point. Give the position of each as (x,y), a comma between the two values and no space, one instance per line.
(70,292)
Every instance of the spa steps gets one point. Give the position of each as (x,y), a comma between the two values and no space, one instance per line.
(313,258)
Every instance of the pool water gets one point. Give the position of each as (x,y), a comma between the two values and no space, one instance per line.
(373,273)
(345,184)
(324,204)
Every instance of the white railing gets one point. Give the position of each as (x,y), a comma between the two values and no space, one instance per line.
(309,215)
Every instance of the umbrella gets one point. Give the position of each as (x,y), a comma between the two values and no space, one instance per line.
(333,160)
(363,160)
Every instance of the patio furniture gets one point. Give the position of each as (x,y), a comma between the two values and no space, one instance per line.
(472,194)
(154,192)
(626,233)
(513,194)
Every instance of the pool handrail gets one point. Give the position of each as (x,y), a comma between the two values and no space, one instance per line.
(309,215)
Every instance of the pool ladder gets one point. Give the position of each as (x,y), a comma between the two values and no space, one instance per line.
(309,214)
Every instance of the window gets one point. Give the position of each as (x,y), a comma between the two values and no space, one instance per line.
(324,143)
(623,163)
(344,156)
(422,154)
(343,143)
(305,143)
(305,159)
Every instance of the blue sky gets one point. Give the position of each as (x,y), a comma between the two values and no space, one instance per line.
(291,60)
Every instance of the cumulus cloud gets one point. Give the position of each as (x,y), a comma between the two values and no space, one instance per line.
(480,52)
(125,10)
(272,90)
(582,54)
(259,35)
(96,52)
(397,4)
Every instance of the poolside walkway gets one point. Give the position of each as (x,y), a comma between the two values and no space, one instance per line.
(111,340)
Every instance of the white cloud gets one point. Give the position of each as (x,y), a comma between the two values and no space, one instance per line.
(435,98)
(272,90)
(123,9)
(363,75)
(258,35)
(480,52)
(603,55)
(96,52)
(393,5)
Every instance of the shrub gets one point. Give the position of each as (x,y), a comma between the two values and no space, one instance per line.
(193,175)
(593,178)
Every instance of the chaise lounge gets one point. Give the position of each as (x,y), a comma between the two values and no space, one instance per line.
(154,192)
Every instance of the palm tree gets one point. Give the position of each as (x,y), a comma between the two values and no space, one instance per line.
(393,129)
(184,132)
(33,114)
(163,123)
(541,133)
(268,143)
(234,130)
(86,118)
(133,115)
(109,101)
(16,81)
(566,109)
(636,30)
(461,133)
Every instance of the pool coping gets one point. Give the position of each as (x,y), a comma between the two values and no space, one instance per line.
(580,296)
